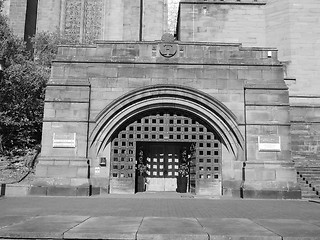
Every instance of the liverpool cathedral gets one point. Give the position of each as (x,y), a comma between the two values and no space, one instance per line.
(225,104)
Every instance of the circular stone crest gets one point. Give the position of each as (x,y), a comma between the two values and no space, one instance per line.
(168,48)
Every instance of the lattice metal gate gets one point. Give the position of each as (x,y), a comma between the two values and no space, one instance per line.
(162,130)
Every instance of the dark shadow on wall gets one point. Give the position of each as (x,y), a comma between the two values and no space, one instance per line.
(31,21)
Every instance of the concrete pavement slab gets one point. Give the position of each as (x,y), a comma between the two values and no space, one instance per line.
(122,228)
(315,222)
(235,229)
(42,227)
(6,221)
(291,229)
(155,228)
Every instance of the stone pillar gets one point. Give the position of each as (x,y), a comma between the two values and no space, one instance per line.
(49,15)
(17,16)
(269,171)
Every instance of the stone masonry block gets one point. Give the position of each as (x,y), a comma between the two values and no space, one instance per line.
(288,174)
(79,182)
(71,111)
(57,71)
(161,72)
(267,114)
(260,174)
(82,172)
(267,97)
(139,82)
(130,72)
(186,73)
(102,71)
(13,190)
(76,71)
(272,74)
(41,171)
(61,181)
(56,171)
(61,191)
(38,191)
(235,84)
(72,94)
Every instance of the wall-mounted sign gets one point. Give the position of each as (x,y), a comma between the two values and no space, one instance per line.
(269,143)
(97,170)
(103,161)
(64,140)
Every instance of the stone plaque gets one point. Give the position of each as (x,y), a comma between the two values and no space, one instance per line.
(97,170)
(269,143)
(64,140)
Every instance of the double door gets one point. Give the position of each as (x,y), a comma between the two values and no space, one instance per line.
(163,161)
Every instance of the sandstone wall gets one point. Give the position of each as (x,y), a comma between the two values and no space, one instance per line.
(305,67)
(155,19)
(104,19)
(293,27)
(248,81)
(227,21)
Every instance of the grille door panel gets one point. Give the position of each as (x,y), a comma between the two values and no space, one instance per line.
(166,127)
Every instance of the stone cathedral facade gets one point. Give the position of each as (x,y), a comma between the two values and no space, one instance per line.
(231,101)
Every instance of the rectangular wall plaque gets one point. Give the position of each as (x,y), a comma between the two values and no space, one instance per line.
(269,143)
(64,140)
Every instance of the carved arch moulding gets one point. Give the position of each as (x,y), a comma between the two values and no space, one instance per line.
(136,102)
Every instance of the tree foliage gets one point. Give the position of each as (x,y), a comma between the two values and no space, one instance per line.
(46,44)
(22,86)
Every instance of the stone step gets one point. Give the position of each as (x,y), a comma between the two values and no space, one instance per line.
(304,185)
(307,192)
(310,175)
(316,185)
(309,170)
(309,179)
(307,165)
(314,173)
(311,197)
(307,186)
(312,181)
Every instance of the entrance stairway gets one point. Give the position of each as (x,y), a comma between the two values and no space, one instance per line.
(309,178)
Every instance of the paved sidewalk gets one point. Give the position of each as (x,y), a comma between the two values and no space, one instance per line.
(158,217)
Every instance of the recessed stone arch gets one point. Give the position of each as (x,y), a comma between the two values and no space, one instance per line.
(200,104)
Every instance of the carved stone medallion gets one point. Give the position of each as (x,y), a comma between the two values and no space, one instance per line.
(168,48)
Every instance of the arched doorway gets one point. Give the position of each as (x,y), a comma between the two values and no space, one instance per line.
(162,146)
(126,124)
